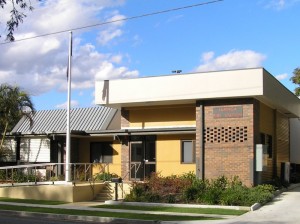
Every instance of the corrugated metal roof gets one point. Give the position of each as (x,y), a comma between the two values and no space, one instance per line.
(82,119)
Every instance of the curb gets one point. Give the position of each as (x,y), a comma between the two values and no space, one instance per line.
(75,217)
(112,202)
(254,207)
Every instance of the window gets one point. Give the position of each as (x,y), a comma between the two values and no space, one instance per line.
(269,141)
(187,151)
(101,152)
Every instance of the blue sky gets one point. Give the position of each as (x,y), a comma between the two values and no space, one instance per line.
(229,34)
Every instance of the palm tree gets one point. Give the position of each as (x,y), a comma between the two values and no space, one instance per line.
(14,103)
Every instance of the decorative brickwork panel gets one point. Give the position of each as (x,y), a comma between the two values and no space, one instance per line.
(225,134)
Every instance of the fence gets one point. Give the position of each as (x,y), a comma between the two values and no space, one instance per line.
(49,173)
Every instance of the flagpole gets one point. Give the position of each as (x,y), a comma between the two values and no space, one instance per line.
(68,134)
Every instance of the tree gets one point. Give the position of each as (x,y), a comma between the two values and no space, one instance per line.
(296,80)
(17,14)
(14,103)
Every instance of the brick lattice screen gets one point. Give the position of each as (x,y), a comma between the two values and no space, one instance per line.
(225,134)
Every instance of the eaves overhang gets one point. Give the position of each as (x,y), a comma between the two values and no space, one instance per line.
(254,83)
(146,131)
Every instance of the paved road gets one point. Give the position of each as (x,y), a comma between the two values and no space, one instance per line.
(13,218)
(10,219)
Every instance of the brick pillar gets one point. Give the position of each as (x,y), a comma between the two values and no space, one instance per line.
(124,118)
(199,140)
(256,177)
(125,158)
(125,163)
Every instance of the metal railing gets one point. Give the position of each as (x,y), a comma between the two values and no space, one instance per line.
(49,173)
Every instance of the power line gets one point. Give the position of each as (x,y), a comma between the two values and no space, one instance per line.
(117,20)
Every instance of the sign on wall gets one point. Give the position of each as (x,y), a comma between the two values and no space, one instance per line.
(228,112)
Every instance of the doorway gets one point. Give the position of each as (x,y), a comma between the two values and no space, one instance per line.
(142,157)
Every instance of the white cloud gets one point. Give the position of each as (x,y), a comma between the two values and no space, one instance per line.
(174,18)
(282,76)
(112,30)
(232,60)
(108,35)
(279,4)
(39,65)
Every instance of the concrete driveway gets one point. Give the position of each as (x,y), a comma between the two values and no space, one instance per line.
(284,209)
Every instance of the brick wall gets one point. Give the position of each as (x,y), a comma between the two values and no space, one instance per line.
(125,147)
(124,118)
(228,139)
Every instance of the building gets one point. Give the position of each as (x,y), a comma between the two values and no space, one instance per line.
(45,140)
(232,123)
(212,124)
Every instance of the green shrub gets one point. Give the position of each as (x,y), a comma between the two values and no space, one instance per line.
(220,183)
(104,176)
(259,194)
(137,193)
(188,188)
(171,198)
(190,193)
(152,197)
(211,196)
(234,195)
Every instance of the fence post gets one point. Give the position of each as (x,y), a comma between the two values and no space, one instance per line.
(74,165)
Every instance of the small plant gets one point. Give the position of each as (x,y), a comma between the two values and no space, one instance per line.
(104,176)
(2,176)
(57,178)
(137,192)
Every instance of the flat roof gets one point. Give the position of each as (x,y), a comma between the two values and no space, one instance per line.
(188,88)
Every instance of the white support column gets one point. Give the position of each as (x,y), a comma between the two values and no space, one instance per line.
(68,134)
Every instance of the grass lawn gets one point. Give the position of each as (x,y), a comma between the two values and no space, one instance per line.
(32,201)
(217,211)
(104,214)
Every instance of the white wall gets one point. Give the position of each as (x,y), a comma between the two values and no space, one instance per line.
(237,83)
(295,140)
(35,150)
(187,88)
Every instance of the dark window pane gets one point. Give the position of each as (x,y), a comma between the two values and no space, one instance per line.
(101,152)
(187,152)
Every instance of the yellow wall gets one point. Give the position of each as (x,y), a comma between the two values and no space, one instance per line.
(67,193)
(179,115)
(168,155)
(84,154)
